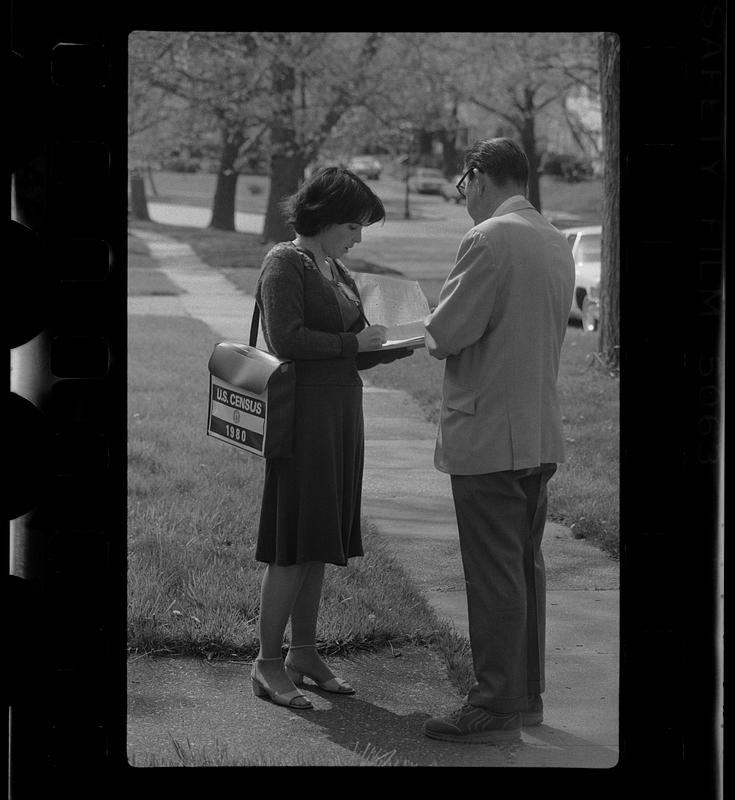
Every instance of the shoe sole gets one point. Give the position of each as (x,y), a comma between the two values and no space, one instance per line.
(529,720)
(483,737)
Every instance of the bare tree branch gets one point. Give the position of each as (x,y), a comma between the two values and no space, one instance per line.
(494,110)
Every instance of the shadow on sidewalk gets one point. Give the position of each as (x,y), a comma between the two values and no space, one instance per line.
(357,725)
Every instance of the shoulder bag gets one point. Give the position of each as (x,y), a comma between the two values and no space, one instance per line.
(252,397)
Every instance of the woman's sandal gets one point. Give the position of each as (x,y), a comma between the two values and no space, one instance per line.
(333,684)
(292,699)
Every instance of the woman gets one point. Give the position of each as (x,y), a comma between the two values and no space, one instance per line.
(310,514)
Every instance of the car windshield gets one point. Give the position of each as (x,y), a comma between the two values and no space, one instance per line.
(589,247)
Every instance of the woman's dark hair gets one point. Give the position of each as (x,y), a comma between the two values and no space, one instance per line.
(502,159)
(331,196)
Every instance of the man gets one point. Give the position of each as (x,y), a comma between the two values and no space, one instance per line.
(500,323)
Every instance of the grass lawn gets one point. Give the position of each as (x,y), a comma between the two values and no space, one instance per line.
(219,756)
(571,203)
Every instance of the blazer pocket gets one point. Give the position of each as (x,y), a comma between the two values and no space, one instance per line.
(460,398)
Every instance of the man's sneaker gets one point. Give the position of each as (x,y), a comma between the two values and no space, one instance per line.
(475,725)
(534,713)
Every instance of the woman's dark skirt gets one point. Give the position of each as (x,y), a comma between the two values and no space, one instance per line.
(312,501)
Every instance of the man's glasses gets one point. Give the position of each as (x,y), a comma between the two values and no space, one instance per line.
(460,184)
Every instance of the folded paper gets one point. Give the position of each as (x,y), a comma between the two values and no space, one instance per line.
(397,303)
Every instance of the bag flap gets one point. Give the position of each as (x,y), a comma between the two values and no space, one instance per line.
(244,366)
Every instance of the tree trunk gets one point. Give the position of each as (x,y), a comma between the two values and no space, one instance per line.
(609,342)
(287,172)
(223,208)
(149,172)
(528,142)
(138,200)
(450,156)
(287,161)
(426,150)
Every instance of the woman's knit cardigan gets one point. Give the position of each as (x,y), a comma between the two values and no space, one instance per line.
(302,321)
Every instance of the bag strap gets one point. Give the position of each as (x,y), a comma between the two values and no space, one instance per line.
(254,326)
(253,341)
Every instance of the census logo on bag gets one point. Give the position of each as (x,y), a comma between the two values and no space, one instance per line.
(251,399)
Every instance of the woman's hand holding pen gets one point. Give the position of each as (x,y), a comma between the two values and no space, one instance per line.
(371,338)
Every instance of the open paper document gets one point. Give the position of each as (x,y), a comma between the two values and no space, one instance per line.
(397,303)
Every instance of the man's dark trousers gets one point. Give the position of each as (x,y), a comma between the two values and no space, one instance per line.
(501,518)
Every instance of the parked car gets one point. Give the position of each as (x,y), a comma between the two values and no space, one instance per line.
(366,167)
(585,243)
(426,180)
(449,190)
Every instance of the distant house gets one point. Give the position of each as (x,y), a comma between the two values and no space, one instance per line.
(577,128)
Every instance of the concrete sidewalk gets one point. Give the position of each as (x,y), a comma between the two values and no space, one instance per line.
(410,503)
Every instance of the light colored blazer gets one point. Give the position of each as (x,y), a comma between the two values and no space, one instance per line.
(500,322)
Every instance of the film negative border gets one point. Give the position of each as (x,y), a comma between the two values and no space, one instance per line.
(67,385)
(67,444)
